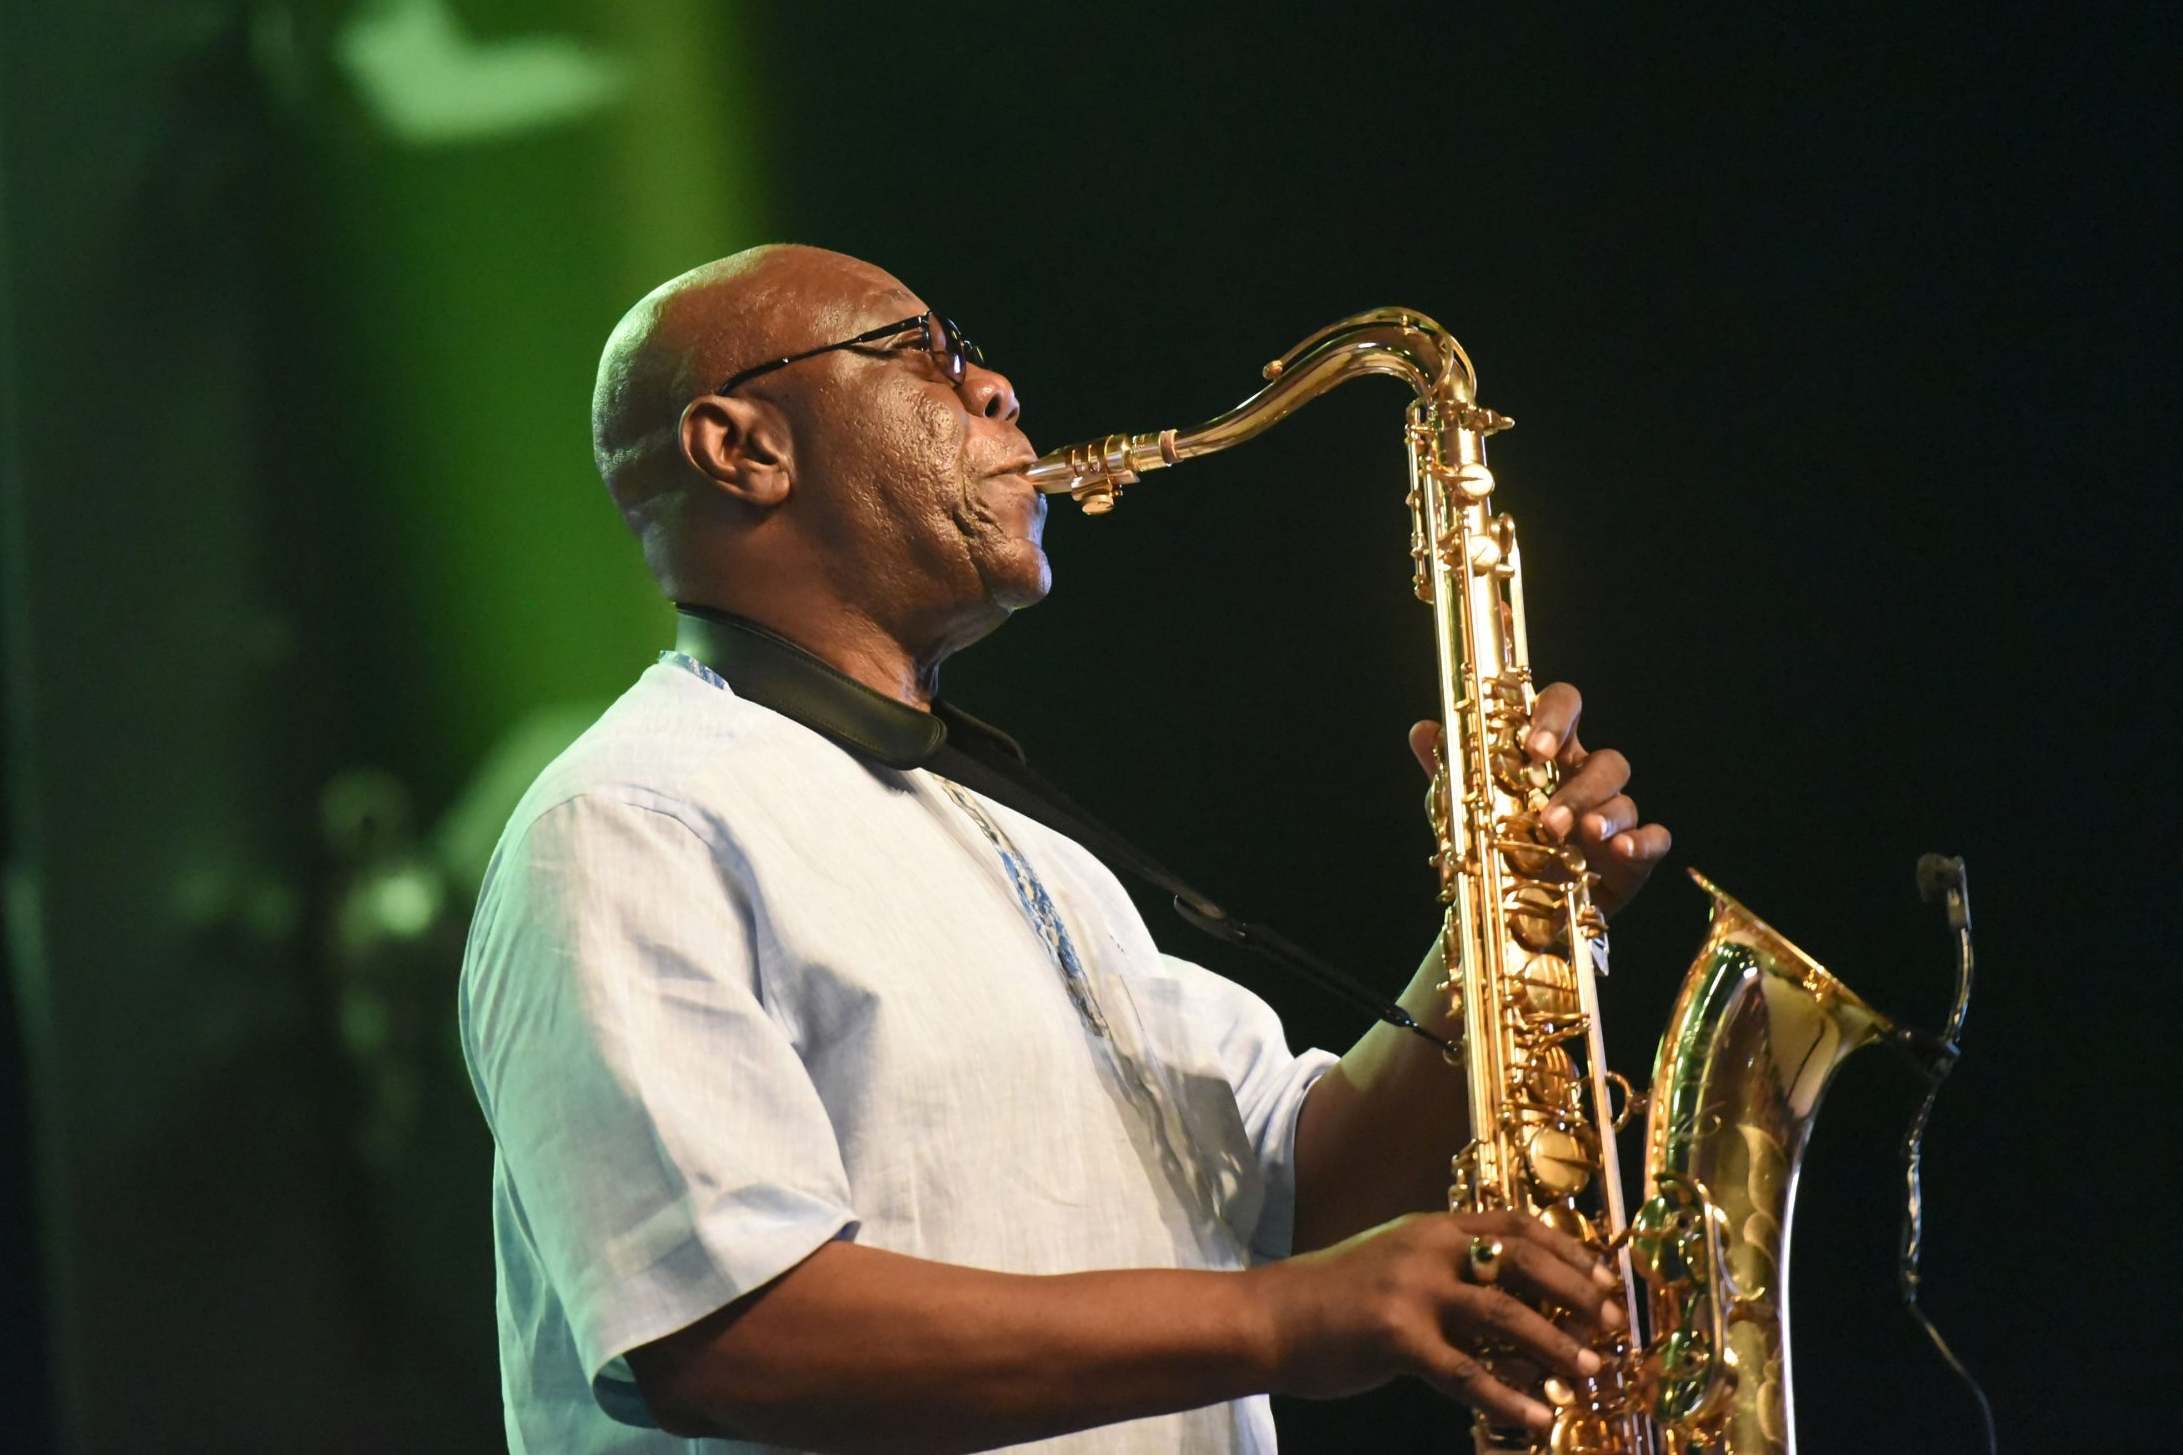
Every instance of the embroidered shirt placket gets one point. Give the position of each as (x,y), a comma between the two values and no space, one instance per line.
(1038,908)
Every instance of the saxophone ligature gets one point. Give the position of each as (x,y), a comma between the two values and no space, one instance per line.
(1757,1029)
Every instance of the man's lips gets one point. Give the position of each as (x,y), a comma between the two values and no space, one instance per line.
(1035,500)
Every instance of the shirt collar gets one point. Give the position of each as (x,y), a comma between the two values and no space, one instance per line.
(772,671)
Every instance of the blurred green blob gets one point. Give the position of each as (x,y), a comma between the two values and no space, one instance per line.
(477,279)
(405,902)
(427,80)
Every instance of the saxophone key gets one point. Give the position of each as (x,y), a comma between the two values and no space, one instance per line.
(1558,1160)
(1473,481)
(1534,916)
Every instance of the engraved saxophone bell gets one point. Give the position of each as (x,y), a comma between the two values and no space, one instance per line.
(1757,1032)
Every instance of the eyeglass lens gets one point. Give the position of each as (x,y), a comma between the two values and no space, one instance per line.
(950,347)
(942,347)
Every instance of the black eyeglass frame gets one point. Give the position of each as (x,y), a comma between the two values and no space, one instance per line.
(943,340)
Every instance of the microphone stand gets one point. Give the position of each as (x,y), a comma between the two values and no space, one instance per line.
(1941,881)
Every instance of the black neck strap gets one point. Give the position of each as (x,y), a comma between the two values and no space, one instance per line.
(774,672)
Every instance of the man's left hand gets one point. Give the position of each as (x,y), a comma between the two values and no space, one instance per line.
(1590,799)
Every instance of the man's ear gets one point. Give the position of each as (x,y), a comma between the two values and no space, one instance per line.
(741,446)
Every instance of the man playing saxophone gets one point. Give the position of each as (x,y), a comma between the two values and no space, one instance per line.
(839,1107)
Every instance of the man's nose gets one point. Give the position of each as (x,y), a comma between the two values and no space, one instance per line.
(988,393)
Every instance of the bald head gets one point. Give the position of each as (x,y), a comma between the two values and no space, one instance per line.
(691,332)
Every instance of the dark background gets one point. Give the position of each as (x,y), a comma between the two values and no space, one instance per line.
(1832,338)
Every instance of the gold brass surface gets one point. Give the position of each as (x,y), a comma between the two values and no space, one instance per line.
(1756,1034)
(1758,1026)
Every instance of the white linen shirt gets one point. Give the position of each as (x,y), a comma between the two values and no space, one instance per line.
(732,992)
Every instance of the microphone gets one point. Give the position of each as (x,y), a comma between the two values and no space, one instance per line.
(1941,881)
(1934,872)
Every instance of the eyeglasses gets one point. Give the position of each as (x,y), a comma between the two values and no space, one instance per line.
(942,339)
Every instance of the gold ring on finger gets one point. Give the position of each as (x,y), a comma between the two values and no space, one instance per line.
(1483,1262)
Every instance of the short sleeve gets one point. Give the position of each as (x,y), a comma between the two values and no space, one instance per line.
(1270,1084)
(663,1141)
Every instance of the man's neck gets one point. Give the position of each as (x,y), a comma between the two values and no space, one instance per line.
(870,654)
(852,643)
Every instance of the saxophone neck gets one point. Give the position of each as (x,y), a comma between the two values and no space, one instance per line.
(1395,341)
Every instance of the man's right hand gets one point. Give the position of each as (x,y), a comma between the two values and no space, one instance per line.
(859,1349)
(1394,1301)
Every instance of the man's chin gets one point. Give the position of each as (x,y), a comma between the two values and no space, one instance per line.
(1022,578)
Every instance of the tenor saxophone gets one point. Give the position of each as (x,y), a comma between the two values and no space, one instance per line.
(1758,1027)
